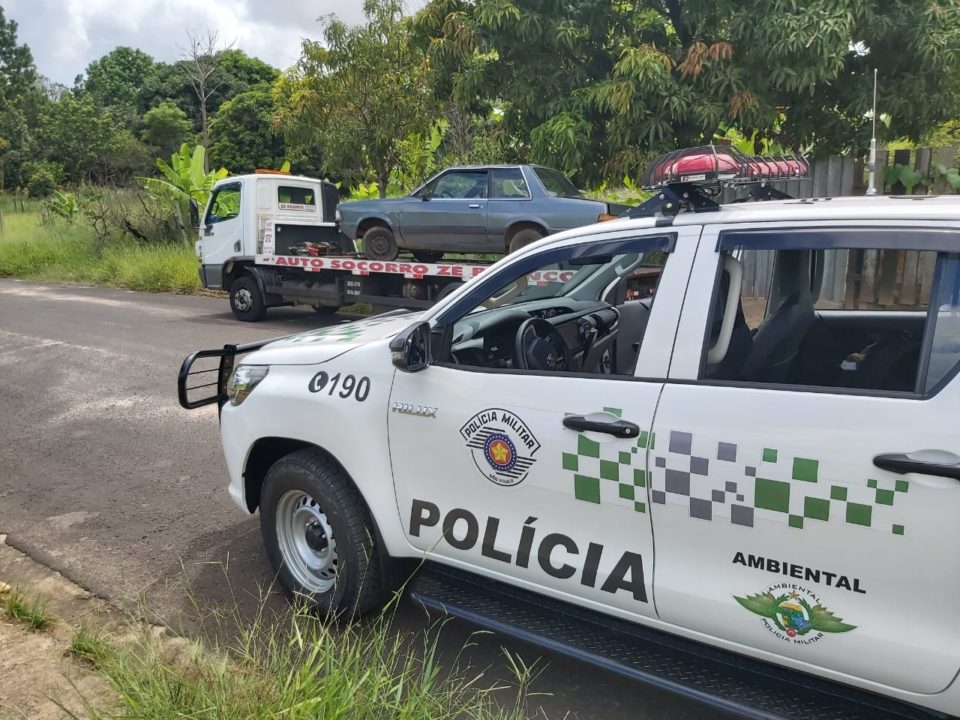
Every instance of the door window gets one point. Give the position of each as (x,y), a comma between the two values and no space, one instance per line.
(508,183)
(225,204)
(461,184)
(813,313)
(580,309)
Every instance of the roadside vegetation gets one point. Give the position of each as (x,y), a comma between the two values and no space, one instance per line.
(27,610)
(296,667)
(35,244)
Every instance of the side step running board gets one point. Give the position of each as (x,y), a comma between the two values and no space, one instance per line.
(726,681)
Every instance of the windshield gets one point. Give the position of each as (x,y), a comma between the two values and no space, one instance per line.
(556,184)
(561,280)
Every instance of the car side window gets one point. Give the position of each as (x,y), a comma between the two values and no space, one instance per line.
(225,204)
(462,184)
(873,316)
(508,183)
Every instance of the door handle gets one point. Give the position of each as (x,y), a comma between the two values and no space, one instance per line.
(617,428)
(474,205)
(901,463)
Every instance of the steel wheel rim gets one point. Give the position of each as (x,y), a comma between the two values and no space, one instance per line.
(380,245)
(243,299)
(306,541)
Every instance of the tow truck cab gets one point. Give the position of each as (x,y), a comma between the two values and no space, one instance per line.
(233,228)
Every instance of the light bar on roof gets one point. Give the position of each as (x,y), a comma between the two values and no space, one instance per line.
(723,165)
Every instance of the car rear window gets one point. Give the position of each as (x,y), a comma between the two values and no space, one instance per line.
(555,183)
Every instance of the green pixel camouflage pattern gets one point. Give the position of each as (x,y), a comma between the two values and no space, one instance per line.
(722,480)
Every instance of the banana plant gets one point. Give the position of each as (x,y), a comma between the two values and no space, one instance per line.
(951,175)
(183,178)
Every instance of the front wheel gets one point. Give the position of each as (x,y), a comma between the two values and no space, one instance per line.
(246,300)
(319,536)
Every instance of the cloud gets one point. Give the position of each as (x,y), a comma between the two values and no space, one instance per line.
(66,35)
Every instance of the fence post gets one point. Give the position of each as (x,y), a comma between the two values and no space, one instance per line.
(922,166)
(879,176)
(945,157)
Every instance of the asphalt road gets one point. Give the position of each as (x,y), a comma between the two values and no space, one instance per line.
(105,478)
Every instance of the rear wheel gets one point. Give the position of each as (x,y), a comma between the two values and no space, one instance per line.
(319,536)
(246,300)
(379,243)
(522,238)
(325,309)
(428,256)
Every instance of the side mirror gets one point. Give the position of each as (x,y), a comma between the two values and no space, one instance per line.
(425,196)
(411,348)
(194,213)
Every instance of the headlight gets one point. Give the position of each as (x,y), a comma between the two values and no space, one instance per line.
(338,216)
(244,379)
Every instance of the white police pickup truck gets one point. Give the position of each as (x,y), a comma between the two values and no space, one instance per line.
(744,486)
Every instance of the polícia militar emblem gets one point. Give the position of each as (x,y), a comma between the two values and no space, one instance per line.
(502,445)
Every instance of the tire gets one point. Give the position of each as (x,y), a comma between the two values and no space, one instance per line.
(325,310)
(246,300)
(319,536)
(379,243)
(524,237)
(447,289)
(428,256)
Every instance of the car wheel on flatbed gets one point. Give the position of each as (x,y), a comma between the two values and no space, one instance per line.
(246,300)
(522,238)
(379,243)
(428,256)
(319,536)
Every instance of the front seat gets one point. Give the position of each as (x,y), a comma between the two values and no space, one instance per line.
(777,341)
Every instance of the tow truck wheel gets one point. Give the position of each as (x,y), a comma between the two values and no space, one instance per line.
(379,243)
(246,300)
(319,536)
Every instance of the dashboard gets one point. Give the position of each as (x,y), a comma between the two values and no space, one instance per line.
(488,338)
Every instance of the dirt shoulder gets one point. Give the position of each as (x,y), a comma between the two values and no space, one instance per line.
(39,679)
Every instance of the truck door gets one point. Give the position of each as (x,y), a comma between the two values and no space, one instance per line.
(448,214)
(222,231)
(540,477)
(805,488)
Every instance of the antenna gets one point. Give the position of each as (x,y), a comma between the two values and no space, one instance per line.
(872,163)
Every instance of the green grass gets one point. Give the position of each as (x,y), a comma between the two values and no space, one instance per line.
(32,613)
(59,251)
(298,667)
(89,646)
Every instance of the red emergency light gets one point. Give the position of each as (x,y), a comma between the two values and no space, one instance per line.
(722,165)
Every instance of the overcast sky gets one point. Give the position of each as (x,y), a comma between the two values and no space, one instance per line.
(65,35)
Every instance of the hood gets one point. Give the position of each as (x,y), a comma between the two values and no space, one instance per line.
(326,343)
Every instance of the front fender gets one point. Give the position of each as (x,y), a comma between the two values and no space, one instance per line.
(352,430)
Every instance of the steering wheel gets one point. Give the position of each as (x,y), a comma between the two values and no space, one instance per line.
(540,346)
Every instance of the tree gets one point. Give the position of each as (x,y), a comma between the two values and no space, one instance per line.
(117,81)
(597,87)
(17,78)
(166,127)
(358,94)
(17,72)
(77,134)
(203,58)
(241,136)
